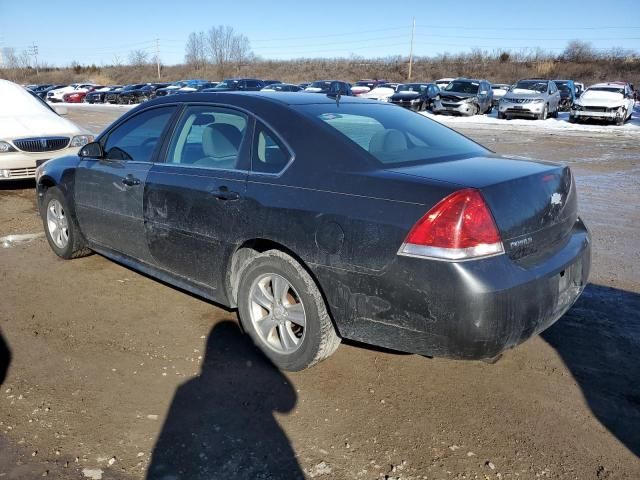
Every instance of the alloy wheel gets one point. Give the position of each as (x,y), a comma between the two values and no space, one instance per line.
(277,313)
(57,224)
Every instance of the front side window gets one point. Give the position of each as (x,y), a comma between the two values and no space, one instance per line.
(208,137)
(393,136)
(269,155)
(137,138)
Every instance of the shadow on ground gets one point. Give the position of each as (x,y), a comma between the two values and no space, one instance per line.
(5,358)
(599,341)
(221,424)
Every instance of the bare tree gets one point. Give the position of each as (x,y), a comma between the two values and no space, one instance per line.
(227,49)
(11,59)
(138,58)
(195,51)
(24,60)
(578,51)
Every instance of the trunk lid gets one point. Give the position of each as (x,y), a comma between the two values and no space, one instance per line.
(534,204)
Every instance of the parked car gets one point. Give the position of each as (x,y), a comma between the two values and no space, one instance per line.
(415,96)
(531,98)
(364,86)
(139,95)
(499,91)
(381,92)
(282,87)
(304,85)
(43,93)
(40,88)
(196,87)
(330,87)
(464,96)
(32,132)
(113,95)
(97,96)
(568,94)
(270,82)
(243,84)
(320,220)
(78,96)
(57,94)
(443,82)
(612,101)
(175,86)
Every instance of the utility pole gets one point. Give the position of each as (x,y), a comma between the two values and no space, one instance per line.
(34,52)
(158,56)
(413,32)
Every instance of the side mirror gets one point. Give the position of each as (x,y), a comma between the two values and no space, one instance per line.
(91,150)
(60,110)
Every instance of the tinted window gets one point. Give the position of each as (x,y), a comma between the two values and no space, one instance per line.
(269,155)
(208,137)
(136,139)
(462,87)
(393,135)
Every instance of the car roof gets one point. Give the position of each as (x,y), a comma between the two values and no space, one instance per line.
(282,98)
(609,84)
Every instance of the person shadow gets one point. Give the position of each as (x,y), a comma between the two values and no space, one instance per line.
(599,341)
(221,423)
(5,358)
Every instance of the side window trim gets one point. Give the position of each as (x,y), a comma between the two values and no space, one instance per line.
(259,125)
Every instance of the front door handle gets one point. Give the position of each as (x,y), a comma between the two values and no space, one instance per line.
(223,193)
(130,180)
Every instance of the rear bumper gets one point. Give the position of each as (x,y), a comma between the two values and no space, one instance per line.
(464,310)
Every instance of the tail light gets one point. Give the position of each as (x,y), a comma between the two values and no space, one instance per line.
(459,227)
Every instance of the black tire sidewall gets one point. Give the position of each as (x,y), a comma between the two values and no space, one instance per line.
(266,264)
(54,193)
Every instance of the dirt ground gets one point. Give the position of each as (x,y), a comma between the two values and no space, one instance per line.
(114,375)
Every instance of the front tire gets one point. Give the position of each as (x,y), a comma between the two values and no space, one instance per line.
(60,227)
(282,310)
(545,112)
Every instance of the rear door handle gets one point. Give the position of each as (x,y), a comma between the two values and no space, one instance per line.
(223,193)
(130,180)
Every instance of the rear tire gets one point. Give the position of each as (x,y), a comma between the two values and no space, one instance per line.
(282,310)
(60,228)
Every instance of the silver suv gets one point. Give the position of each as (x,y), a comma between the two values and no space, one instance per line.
(464,96)
(533,98)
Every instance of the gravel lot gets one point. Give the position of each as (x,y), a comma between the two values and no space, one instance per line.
(114,374)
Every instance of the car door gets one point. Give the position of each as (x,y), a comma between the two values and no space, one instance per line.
(109,190)
(194,198)
(554,92)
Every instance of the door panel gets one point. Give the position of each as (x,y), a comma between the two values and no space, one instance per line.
(109,192)
(194,199)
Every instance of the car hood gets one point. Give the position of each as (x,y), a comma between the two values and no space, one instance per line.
(381,92)
(28,126)
(457,95)
(600,99)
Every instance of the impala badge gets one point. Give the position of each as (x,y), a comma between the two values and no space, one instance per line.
(556,199)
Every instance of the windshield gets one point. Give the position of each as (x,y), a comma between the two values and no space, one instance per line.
(462,87)
(393,136)
(412,87)
(321,84)
(535,85)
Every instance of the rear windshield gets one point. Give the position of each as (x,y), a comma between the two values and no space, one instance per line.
(393,136)
(606,89)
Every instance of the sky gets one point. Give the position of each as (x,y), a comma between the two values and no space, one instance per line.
(105,33)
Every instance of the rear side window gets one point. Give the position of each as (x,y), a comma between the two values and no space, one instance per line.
(269,155)
(137,138)
(393,136)
(208,137)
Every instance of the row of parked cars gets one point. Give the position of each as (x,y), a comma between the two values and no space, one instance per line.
(528,98)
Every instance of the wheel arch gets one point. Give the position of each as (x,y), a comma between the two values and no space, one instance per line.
(253,247)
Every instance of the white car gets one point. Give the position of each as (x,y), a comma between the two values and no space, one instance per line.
(31,132)
(58,94)
(443,82)
(382,92)
(499,91)
(612,101)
